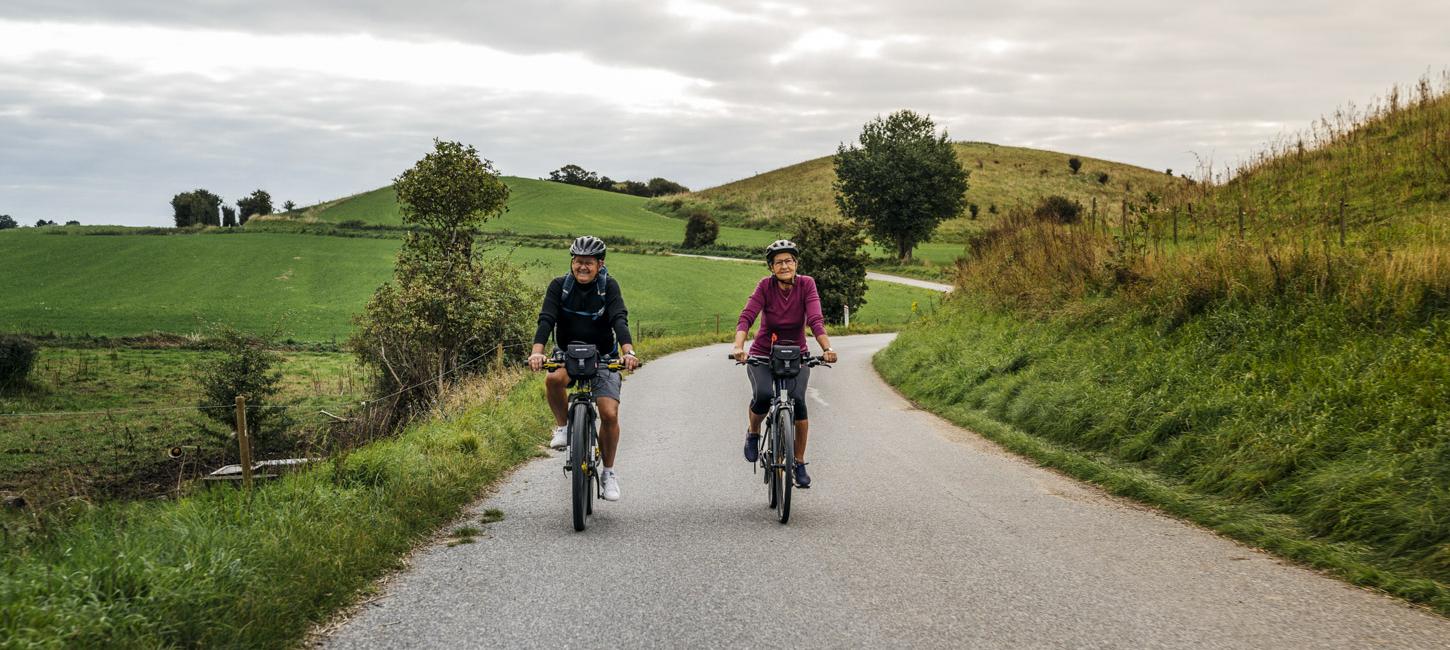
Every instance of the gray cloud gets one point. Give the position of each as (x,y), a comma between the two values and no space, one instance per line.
(1150,83)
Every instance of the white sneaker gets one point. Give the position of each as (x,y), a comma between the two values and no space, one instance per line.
(611,485)
(560,439)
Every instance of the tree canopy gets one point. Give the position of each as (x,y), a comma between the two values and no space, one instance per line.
(259,202)
(196,208)
(831,253)
(901,181)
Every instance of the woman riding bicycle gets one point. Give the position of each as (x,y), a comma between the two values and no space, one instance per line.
(786,303)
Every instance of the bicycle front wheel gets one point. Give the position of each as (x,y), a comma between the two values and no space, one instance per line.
(579,465)
(785,457)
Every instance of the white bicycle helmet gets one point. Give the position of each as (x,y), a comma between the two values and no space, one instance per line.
(781,246)
(588,245)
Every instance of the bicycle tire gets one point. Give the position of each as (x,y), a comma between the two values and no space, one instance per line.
(579,464)
(767,461)
(785,427)
(596,482)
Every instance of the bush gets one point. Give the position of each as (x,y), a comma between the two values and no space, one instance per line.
(1102,178)
(17,357)
(246,367)
(7,221)
(1074,164)
(1059,209)
(974,209)
(701,230)
(831,252)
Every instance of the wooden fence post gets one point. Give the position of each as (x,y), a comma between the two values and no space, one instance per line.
(244,442)
(1341,223)
(717,324)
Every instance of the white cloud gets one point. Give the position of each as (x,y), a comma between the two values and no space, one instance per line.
(224,56)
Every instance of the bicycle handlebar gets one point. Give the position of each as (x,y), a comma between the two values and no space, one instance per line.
(808,360)
(606,362)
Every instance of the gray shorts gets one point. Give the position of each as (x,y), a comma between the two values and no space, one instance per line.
(607,384)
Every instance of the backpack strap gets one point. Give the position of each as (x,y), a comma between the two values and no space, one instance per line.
(600,283)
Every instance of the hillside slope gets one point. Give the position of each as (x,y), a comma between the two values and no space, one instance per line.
(541,207)
(1247,367)
(1000,177)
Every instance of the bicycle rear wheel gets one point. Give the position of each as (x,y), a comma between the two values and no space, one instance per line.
(579,453)
(784,459)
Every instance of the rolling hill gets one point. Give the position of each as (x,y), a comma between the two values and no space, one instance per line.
(1000,177)
(541,207)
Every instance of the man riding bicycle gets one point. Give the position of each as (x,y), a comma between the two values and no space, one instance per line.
(585,305)
(786,303)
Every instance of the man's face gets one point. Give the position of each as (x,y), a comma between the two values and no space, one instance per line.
(585,268)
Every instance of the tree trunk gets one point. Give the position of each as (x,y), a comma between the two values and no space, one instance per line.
(903,251)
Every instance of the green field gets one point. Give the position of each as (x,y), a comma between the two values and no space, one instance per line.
(309,287)
(546,207)
(113,445)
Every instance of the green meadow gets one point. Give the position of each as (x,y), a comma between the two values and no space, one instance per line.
(545,207)
(308,287)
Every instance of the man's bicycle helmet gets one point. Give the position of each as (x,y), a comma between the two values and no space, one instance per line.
(781,246)
(588,245)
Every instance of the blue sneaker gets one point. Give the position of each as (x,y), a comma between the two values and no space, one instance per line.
(802,479)
(752,447)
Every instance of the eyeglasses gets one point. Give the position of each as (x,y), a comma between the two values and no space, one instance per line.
(784,261)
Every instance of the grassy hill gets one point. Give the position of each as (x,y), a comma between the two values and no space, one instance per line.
(310,286)
(1001,178)
(542,207)
(1245,367)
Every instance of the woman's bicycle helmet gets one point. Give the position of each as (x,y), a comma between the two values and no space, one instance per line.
(588,245)
(781,246)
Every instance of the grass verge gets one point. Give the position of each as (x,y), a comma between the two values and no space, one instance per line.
(1289,427)
(220,568)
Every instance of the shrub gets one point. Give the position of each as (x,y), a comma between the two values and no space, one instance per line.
(1074,164)
(17,357)
(701,230)
(1102,178)
(7,221)
(1059,209)
(973,208)
(246,367)
(831,252)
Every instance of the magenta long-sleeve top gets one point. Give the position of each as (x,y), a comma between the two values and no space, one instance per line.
(783,314)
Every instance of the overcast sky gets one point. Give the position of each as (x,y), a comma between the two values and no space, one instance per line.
(109,107)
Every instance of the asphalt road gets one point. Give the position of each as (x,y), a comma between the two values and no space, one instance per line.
(916,534)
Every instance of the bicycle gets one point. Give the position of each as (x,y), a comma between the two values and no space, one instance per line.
(582,362)
(777,452)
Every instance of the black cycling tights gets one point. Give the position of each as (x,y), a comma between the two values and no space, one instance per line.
(761,385)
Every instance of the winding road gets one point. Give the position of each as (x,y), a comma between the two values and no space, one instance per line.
(916,534)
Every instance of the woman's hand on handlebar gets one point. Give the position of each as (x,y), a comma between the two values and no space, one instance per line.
(739,354)
(536,361)
(829,356)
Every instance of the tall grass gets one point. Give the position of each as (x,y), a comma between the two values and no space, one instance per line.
(1266,351)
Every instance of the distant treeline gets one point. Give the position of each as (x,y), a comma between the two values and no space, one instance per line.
(202,208)
(575,175)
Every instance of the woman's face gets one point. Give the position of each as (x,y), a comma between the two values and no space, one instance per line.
(585,268)
(783,267)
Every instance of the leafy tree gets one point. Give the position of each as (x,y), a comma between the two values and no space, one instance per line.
(1059,209)
(247,367)
(574,175)
(288,206)
(72,222)
(39,223)
(831,252)
(196,208)
(7,221)
(258,203)
(1074,164)
(17,357)
(229,216)
(901,181)
(447,304)
(660,187)
(701,230)
(633,188)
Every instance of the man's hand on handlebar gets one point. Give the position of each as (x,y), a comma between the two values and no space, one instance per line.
(536,361)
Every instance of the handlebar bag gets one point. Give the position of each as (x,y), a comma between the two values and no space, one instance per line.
(785,360)
(581,360)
